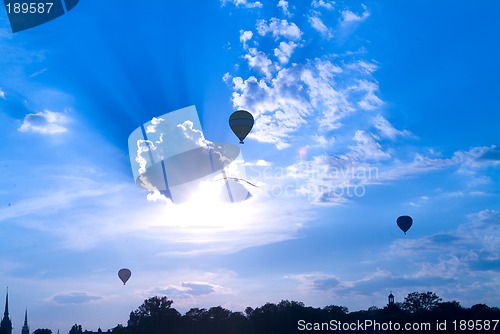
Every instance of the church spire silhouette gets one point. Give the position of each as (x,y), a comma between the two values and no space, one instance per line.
(6,324)
(26,329)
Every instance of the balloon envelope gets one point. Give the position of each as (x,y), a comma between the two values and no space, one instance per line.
(404,223)
(241,122)
(124,275)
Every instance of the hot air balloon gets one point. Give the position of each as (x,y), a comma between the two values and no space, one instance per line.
(241,122)
(404,223)
(124,275)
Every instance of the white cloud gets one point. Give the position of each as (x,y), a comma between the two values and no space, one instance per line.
(245,36)
(349,17)
(259,61)
(387,130)
(226,77)
(262,163)
(319,26)
(370,100)
(45,122)
(243,3)
(2,94)
(38,73)
(367,147)
(363,66)
(154,123)
(283,4)
(75,298)
(326,179)
(323,4)
(279,28)
(284,51)
(288,101)
(321,140)
(478,157)
(192,134)
(277,110)
(187,290)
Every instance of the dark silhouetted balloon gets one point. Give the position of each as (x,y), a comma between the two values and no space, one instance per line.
(404,223)
(124,275)
(241,122)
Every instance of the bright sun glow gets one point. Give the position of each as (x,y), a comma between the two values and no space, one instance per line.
(207,211)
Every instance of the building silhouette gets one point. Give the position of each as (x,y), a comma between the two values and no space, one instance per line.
(26,329)
(6,324)
(390,299)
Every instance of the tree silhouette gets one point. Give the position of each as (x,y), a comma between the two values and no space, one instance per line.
(421,301)
(42,331)
(155,316)
(76,329)
(119,330)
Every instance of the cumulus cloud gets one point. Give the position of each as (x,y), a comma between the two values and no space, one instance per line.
(2,94)
(291,98)
(323,4)
(287,96)
(45,122)
(315,98)
(284,51)
(283,4)
(245,36)
(194,135)
(259,61)
(154,124)
(279,29)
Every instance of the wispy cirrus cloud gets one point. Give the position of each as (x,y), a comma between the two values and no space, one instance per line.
(349,18)
(75,298)
(318,25)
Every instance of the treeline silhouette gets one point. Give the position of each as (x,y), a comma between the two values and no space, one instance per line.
(423,312)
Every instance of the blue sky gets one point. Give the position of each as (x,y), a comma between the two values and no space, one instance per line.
(364,111)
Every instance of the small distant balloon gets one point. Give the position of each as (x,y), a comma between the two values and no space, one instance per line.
(404,223)
(124,275)
(241,122)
